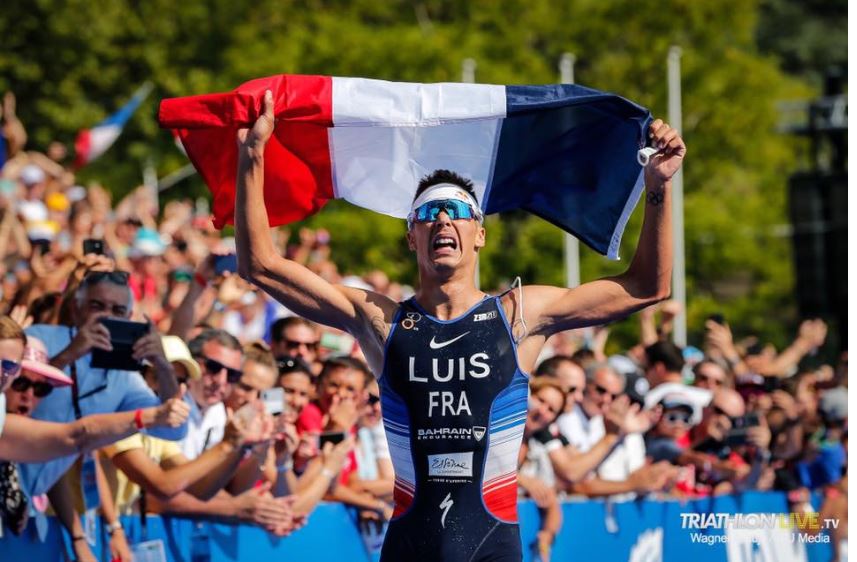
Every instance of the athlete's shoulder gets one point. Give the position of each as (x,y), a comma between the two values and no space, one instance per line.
(373,308)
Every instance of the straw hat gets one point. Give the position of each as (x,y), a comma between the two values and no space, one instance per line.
(176,351)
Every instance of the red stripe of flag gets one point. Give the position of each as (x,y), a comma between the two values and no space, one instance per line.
(298,179)
(81,148)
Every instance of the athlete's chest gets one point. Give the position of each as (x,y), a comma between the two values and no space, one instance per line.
(448,364)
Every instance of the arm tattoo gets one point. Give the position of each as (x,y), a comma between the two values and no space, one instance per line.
(379,326)
(655,198)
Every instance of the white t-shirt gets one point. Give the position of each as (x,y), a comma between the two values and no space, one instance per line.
(204,429)
(371,447)
(537,463)
(584,432)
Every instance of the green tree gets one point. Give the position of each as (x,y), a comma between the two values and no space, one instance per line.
(74,62)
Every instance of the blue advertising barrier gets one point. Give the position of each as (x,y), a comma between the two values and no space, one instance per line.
(639,531)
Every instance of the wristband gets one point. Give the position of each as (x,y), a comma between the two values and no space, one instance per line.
(288,465)
(138,419)
(202,281)
(113,527)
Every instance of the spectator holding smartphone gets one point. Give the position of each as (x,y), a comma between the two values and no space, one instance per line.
(101,294)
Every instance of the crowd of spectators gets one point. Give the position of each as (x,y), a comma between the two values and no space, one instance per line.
(655,420)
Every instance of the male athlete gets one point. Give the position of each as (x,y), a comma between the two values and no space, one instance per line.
(452,362)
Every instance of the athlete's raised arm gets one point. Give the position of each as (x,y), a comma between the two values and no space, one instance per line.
(647,280)
(364,314)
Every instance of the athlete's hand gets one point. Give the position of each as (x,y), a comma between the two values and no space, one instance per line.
(257,137)
(664,164)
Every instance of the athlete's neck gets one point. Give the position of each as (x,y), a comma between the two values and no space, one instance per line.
(448,300)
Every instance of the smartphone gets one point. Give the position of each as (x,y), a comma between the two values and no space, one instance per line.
(738,434)
(274,399)
(717,317)
(123,335)
(93,246)
(225,263)
(772,384)
(334,437)
(41,246)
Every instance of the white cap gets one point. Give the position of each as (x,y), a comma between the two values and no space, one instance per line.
(673,394)
(32,174)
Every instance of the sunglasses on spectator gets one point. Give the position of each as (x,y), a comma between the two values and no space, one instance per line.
(373,399)
(603,391)
(8,370)
(295,344)
(720,412)
(23,384)
(677,417)
(454,209)
(214,367)
(116,277)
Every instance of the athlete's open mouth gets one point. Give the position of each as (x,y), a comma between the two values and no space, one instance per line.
(23,410)
(443,241)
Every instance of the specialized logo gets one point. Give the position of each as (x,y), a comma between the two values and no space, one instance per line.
(410,320)
(437,345)
(485,316)
(445,505)
(451,464)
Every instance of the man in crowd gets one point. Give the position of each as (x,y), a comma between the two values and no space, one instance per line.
(570,375)
(294,336)
(605,436)
(101,294)
(709,375)
(258,374)
(664,363)
(220,358)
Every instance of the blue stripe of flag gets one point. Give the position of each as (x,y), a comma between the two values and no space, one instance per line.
(569,155)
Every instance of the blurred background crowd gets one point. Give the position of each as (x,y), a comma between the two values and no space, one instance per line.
(733,414)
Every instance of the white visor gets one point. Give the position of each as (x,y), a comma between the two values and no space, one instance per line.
(443,191)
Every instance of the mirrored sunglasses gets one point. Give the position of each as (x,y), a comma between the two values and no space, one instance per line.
(454,209)
(10,368)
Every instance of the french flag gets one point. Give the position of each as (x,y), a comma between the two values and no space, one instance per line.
(565,153)
(92,143)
